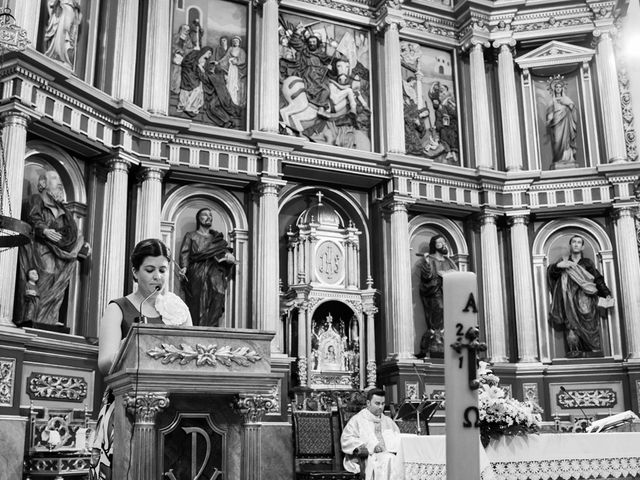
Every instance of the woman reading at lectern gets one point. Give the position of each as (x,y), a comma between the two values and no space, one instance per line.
(150,266)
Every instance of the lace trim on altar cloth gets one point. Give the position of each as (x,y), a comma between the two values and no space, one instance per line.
(537,470)
(433,471)
(568,468)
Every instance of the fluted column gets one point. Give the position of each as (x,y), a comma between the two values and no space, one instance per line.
(509,106)
(610,97)
(27,14)
(480,106)
(14,138)
(252,408)
(401,318)
(394,112)
(267,308)
(114,229)
(149,208)
(157,57)
(125,49)
(144,408)
(371,346)
(629,267)
(269,74)
(493,290)
(523,289)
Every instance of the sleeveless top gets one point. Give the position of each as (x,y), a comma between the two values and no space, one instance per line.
(130,313)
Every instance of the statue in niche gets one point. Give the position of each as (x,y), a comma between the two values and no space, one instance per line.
(207,263)
(561,121)
(324,84)
(31,299)
(577,291)
(61,35)
(433,267)
(54,251)
(331,348)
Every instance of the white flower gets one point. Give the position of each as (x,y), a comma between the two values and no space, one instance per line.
(173,310)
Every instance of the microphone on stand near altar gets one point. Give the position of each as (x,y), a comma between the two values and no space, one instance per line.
(142,318)
(566,392)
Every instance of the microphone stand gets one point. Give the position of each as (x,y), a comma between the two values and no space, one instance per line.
(566,392)
(142,318)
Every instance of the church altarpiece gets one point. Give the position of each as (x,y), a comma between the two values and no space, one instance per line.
(329,315)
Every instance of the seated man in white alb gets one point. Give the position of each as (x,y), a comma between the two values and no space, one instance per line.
(374,436)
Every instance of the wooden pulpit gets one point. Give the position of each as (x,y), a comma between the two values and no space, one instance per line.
(156,362)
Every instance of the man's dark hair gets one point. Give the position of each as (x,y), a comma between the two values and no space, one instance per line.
(375,391)
(576,236)
(205,209)
(432,243)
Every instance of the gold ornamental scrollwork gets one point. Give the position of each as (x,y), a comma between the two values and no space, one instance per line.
(204,355)
(145,406)
(253,407)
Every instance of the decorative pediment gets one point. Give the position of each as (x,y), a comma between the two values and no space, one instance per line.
(555,53)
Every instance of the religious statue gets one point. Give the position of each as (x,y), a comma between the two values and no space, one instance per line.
(561,121)
(435,264)
(61,35)
(207,262)
(54,250)
(576,287)
(31,299)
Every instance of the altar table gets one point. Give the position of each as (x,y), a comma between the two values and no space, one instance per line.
(546,456)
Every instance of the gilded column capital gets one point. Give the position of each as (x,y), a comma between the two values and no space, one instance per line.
(390,20)
(151,173)
(119,164)
(144,407)
(519,218)
(253,406)
(603,34)
(270,186)
(627,210)
(14,118)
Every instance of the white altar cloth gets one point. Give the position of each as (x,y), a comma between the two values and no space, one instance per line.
(534,457)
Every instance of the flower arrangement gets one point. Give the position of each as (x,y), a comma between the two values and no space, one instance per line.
(501,414)
(173,310)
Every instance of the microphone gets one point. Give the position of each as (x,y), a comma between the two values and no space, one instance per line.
(424,391)
(566,392)
(142,318)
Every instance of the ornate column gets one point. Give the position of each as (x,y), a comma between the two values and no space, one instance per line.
(609,96)
(149,208)
(480,105)
(509,105)
(267,308)
(252,408)
(302,343)
(125,48)
(493,289)
(14,138)
(523,288)
(113,260)
(27,14)
(394,113)
(400,325)
(371,346)
(629,267)
(269,74)
(144,408)
(157,57)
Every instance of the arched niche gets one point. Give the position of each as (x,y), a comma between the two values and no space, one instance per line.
(41,156)
(178,217)
(421,229)
(545,251)
(297,199)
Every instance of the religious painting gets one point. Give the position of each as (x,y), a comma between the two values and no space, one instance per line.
(325,82)
(209,62)
(64,31)
(558,113)
(430,107)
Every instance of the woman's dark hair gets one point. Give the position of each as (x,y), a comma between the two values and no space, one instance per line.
(151,247)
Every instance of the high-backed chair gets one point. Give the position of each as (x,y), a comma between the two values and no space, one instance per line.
(57,444)
(315,449)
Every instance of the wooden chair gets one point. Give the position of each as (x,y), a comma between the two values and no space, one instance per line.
(57,444)
(315,453)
